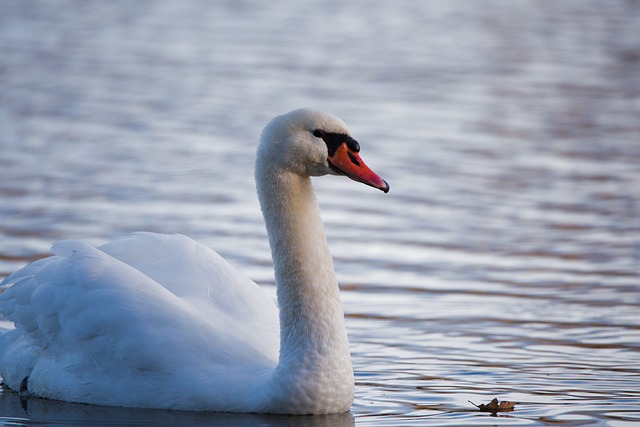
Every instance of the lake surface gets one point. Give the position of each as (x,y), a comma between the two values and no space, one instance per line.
(505,260)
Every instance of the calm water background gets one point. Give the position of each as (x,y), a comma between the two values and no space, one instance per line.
(505,261)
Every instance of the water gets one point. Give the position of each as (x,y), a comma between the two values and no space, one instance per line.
(503,263)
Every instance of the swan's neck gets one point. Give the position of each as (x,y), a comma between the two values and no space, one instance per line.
(315,364)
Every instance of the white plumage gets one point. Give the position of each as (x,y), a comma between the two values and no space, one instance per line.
(162,321)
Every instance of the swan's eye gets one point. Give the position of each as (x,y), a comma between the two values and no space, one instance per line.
(318,133)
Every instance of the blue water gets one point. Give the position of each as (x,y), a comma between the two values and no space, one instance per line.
(505,261)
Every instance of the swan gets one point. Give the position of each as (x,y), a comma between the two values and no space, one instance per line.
(161,321)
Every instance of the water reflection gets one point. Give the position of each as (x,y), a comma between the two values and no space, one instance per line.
(35,411)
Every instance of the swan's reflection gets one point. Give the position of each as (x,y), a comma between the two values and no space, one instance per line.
(38,411)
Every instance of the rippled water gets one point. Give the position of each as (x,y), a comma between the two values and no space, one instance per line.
(505,261)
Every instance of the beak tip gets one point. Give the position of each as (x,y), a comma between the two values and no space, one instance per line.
(385,187)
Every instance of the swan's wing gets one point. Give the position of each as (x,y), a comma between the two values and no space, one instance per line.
(86,313)
(74,308)
(195,273)
(204,280)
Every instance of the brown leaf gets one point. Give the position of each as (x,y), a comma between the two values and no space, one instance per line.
(506,406)
(494,406)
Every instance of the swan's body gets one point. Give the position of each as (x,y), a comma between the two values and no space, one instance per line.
(162,321)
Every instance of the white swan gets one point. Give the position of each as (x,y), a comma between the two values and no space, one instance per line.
(160,321)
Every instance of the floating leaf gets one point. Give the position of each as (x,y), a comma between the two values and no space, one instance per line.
(494,406)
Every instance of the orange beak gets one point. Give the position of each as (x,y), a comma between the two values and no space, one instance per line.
(347,162)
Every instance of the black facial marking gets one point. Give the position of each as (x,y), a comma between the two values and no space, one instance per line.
(353,158)
(335,140)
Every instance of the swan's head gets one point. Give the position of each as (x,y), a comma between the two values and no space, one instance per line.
(313,143)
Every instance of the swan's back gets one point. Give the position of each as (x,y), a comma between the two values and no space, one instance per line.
(119,323)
